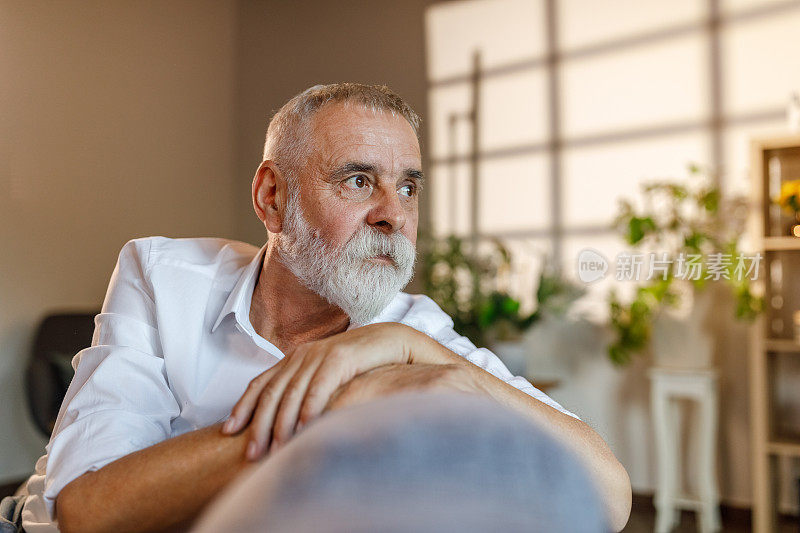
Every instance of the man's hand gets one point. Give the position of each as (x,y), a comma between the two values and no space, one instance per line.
(297,389)
(394,378)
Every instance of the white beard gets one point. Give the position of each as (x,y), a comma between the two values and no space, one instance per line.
(344,275)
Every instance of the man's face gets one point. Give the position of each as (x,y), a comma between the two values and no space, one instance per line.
(363,169)
(349,228)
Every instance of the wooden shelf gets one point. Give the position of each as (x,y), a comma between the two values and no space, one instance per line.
(781,243)
(777,142)
(765,444)
(782,345)
(784,447)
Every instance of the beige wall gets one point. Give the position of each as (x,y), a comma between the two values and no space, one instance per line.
(116,121)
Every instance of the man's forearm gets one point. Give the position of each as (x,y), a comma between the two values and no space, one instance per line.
(608,473)
(156,488)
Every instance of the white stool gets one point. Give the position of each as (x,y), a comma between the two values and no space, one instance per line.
(701,386)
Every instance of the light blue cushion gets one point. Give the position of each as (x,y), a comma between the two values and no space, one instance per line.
(414,462)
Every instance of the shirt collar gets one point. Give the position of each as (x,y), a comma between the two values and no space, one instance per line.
(242,292)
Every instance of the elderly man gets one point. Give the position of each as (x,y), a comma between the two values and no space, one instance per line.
(194,331)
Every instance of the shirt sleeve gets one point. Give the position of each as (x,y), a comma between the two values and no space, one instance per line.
(119,400)
(488,361)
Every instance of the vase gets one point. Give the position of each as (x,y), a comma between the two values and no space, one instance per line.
(680,335)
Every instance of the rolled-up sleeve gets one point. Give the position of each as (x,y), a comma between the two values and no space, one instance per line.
(488,361)
(119,400)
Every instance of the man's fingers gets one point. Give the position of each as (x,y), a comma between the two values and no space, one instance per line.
(243,409)
(289,405)
(264,415)
(286,419)
(330,375)
(261,425)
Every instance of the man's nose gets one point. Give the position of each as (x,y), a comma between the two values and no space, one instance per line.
(388,214)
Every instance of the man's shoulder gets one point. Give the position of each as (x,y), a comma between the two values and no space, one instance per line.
(198,253)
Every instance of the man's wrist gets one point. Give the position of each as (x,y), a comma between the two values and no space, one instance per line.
(427,350)
(422,348)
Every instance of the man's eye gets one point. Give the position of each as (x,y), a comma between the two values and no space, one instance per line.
(408,190)
(357,182)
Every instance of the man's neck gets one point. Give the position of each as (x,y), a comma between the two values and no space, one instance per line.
(285,312)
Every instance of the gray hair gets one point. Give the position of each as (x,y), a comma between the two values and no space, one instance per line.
(291,125)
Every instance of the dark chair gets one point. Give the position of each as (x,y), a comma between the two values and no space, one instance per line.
(49,372)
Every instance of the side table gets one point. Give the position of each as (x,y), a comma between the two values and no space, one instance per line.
(700,386)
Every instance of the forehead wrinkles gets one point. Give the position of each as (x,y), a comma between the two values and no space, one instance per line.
(346,132)
(385,159)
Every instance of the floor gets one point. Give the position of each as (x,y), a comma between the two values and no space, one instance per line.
(734,520)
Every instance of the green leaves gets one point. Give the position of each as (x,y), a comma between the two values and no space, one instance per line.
(468,286)
(461,282)
(693,242)
(498,306)
(632,322)
(709,199)
(639,228)
(692,220)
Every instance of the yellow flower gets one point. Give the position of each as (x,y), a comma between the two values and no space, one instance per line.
(789,197)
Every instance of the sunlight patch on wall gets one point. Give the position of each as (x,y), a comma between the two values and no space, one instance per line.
(514,193)
(761,61)
(582,23)
(596,177)
(642,87)
(505,31)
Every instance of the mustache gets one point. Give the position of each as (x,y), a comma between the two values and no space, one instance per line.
(367,243)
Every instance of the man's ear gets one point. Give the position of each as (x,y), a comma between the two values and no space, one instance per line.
(269,197)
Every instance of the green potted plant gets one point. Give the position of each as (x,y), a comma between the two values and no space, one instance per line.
(667,312)
(465,285)
(474,289)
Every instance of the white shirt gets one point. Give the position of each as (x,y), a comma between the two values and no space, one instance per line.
(173,350)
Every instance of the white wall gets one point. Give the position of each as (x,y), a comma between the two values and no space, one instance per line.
(116,121)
